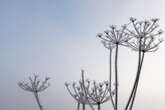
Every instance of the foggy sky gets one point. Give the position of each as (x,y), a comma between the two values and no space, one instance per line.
(57,38)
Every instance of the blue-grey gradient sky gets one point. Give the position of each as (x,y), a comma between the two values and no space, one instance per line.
(56,38)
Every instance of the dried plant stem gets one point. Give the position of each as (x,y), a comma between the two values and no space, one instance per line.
(78,106)
(137,81)
(99,106)
(116,78)
(134,86)
(134,89)
(110,77)
(83,106)
(38,101)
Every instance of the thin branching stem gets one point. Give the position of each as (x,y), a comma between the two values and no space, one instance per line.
(78,106)
(134,86)
(99,106)
(116,78)
(110,77)
(38,101)
(83,106)
(137,82)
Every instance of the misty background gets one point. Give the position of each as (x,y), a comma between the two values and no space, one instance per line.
(57,38)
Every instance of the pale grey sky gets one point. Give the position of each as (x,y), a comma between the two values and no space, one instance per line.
(56,38)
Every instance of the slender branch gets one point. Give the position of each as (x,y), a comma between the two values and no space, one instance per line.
(38,101)
(137,82)
(99,106)
(134,86)
(116,78)
(83,106)
(110,77)
(78,106)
